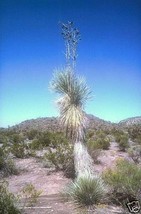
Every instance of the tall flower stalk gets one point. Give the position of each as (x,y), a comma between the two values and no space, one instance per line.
(71,36)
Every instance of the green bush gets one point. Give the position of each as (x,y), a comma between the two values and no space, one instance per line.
(135,132)
(10,168)
(123,143)
(22,150)
(7,200)
(98,144)
(124,180)
(90,134)
(69,168)
(61,158)
(138,140)
(16,138)
(118,136)
(116,131)
(101,134)
(45,139)
(2,158)
(86,191)
(7,166)
(135,153)
(32,134)
(31,194)
(19,150)
(35,145)
(122,139)
(3,139)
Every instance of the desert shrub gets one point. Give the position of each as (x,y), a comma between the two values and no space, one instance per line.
(21,150)
(10,168)
(44,139)
(2,158)
(47,138)
(118,135)
(124,180)
(135,132)
(18,150)
(86,191)
(101,134)
(61,158)
(135,153)
(32,134)
(7,200)
(122,139)
(95,155)
(116,131)
(138,139)
(94,151)
(7,166)
(58,138)
(100,143)
(7,132)
(16,138)
(90,134)
(69,170)
(35,145)
(123,143)
(8,137)
(31,194)
(3,139)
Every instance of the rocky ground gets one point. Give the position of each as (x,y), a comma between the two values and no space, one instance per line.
(32,171)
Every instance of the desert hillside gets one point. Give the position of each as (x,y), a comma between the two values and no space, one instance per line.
(94,123)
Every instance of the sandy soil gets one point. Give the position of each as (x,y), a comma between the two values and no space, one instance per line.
(52,183)
(108,157)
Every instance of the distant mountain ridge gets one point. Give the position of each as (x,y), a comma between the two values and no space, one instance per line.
(131,121)
(52,123)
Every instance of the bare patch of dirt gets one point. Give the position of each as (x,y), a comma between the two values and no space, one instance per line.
(37,175)
(50,204)
(108,157)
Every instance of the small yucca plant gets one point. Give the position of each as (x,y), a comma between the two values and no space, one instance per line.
(86,191)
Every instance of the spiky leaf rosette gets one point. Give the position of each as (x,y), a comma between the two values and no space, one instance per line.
(74,94)
(86,191)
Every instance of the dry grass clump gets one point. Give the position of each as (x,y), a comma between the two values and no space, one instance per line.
(7,200)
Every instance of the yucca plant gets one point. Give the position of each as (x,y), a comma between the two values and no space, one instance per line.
(74,94)
(86,191)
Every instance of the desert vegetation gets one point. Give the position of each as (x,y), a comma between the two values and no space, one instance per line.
(7,200)
(124,181)
(100,164)
(116,185)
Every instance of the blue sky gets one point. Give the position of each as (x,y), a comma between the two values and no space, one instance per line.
(31,47)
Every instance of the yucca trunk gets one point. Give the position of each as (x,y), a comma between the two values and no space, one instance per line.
(82,160)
